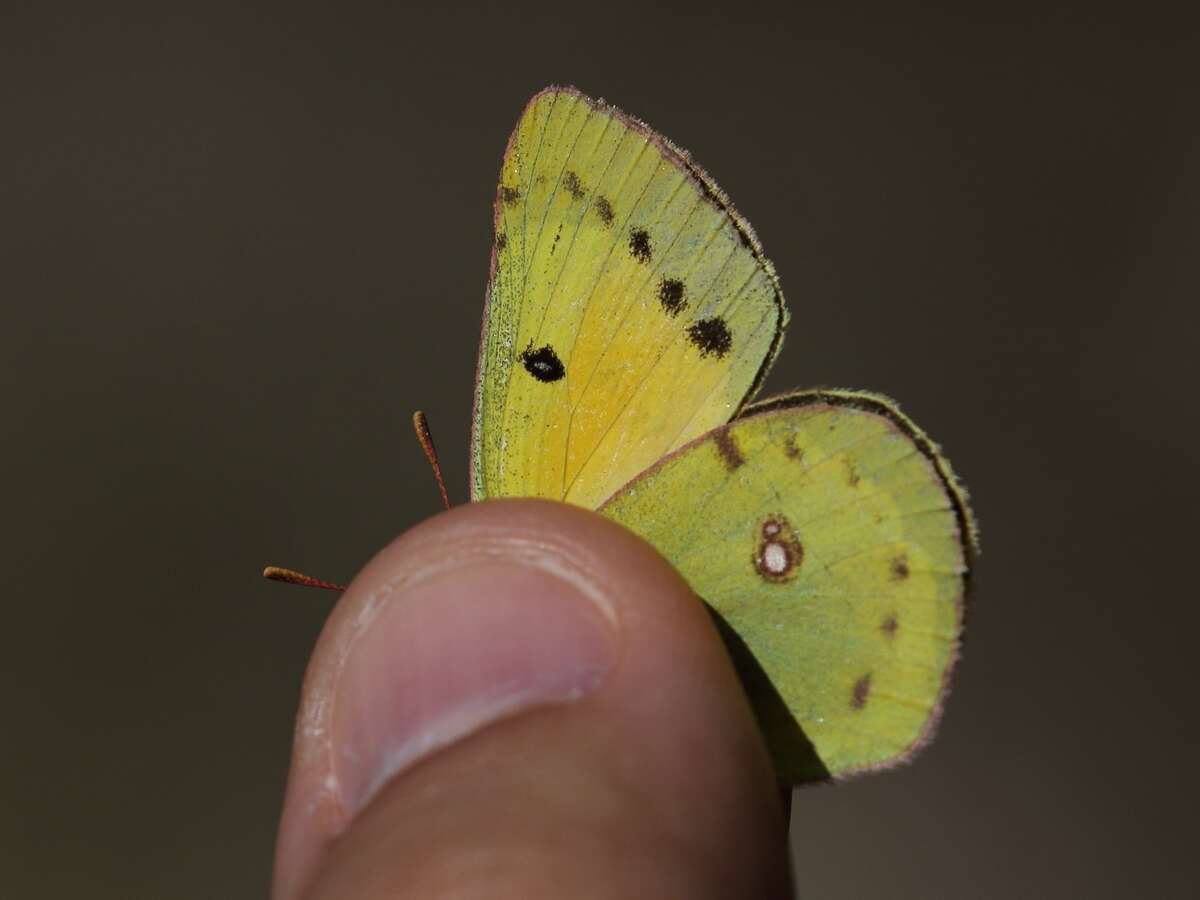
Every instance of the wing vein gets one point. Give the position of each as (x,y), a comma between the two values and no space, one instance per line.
(649,371)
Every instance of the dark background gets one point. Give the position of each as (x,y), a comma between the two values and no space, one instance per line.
(239,246)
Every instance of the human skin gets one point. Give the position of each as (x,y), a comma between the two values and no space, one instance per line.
(520,698)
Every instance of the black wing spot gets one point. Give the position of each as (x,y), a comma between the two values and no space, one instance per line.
(900,568)
(711,336)
(573,185)
(501,241)
(510,195)
(639,245)
(604,210)
(543,363)
(670,294)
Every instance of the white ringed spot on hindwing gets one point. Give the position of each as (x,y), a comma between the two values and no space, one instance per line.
(778,552)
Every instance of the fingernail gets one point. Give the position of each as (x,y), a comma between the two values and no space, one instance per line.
(454,653)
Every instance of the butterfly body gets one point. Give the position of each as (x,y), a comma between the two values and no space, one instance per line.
(631,314)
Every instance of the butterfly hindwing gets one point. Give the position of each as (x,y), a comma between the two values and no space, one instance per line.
(832,541)
(629,308)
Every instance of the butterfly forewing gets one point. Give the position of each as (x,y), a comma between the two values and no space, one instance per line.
(630,310)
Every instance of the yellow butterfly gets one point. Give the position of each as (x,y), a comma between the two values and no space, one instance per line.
(630,316)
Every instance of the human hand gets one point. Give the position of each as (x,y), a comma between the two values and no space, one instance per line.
(521,699)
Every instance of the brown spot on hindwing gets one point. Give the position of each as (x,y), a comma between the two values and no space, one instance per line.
(731,453)
(862,690)
(890,625)
(778,552)
(791,449)
(900,568)
(509,195)
(851,471)
(501,241)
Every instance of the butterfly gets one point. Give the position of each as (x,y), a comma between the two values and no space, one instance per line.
(630,317)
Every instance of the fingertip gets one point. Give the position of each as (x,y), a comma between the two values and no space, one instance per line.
(520,652)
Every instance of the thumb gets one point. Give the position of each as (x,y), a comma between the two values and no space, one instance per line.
(522,699)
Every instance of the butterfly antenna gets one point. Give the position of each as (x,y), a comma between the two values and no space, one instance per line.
(290,576)
(425,439)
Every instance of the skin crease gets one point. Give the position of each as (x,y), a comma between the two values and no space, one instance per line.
(654,783)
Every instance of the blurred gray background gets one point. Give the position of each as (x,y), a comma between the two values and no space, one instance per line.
(239,245)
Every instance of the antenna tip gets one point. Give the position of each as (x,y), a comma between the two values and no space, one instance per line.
(291,576)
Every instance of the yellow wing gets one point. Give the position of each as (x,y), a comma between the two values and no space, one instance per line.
(833,541)
(629,308)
